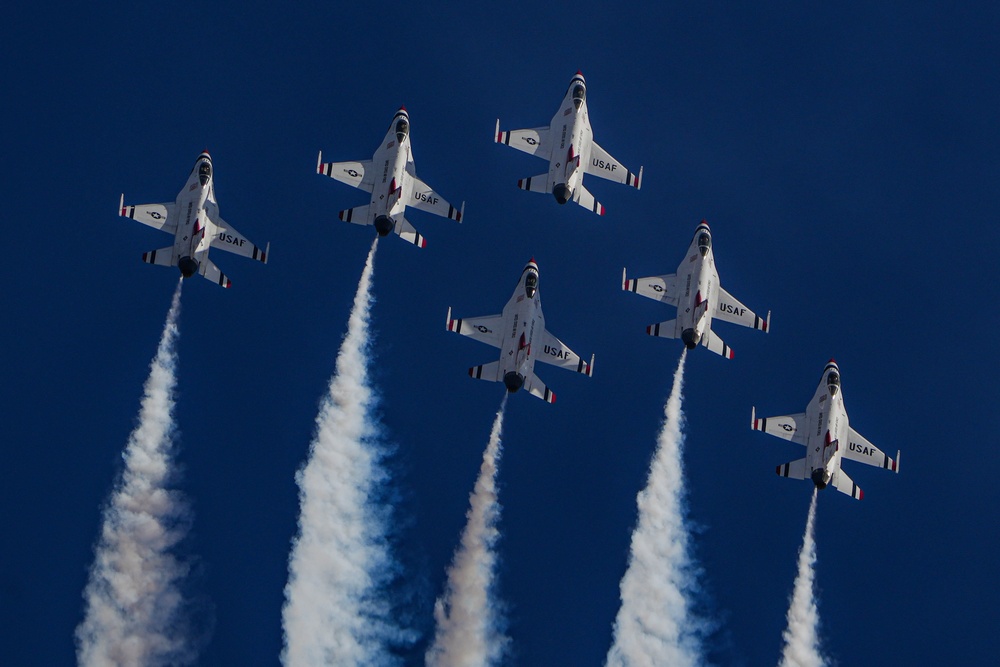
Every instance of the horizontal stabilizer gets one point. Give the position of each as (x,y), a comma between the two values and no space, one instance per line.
(211,271)
(357,215)
(161,257)
(408,233)
(715,344)
(489,372)
(666,329)
(536,387)
(586,200)
(846,485)
(794,469)
(538,183)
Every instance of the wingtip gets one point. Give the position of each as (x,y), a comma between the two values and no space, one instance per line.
(753,418)
(590,369)
(319,163)
(895,468)
(461,214)
(496,133)
(267,252)
(624,279)
(447,321)
(767,324)
(121,204)
(638,184)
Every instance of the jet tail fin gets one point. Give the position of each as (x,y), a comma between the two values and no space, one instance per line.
(846,485)
(408,233)
(715,344)
(161,257)
(666,329)
(538,183)
(586,200)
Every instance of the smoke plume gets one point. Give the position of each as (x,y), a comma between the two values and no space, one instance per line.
(468,622)
(133,598)
(336,612)
(655,623)
(802,634)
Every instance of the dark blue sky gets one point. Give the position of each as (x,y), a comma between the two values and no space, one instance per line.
(845,156)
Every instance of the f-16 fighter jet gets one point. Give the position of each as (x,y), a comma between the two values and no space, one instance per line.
(568,144)
(827,436)
(194,220)
(520,334)
(698,296)
(391,179)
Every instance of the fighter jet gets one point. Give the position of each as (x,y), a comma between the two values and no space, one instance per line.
(827,436)
(568,144)
(391,179)
(698,296)
(194,220)
(520,334)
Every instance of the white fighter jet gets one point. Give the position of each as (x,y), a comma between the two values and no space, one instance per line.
(391,179)
(698,296)
(194,220)
(520,334)
(568,144)
(825,432)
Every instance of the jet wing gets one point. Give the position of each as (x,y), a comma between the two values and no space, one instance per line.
(228,239)
(555,352)
(603,165)
(426,199)
(859,449)
(786,427)
(484,329)
(728,309)
(157,216)
(355,174)
(659,288)
(533,141)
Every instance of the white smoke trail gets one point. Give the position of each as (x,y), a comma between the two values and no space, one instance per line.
(468,632)
(802,636)
(655,624)
(133,601)
(335,612)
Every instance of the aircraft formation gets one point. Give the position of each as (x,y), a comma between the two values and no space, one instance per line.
(567,142)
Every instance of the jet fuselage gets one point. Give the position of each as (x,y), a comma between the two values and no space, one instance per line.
(525,322)
(573,138)
(828,428)
(390,165)
(194,227)
(699,284)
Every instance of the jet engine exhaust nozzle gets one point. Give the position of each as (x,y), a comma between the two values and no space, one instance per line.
(562,193)
(819,479)
(690,338)
(513,381)
(383,225)
(188,266)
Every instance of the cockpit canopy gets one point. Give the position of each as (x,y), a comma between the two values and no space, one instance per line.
(833,383)
(402,129)
(704,242)
(579,94)
(204,172)
(530,284)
